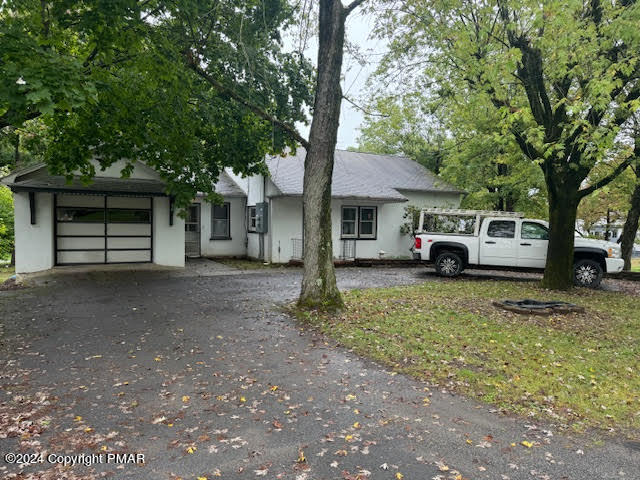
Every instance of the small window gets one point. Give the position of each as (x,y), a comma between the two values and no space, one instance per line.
(128,216)
(80,215)
(251,218)
(359,222)
(220,222)
(367,222)
(193,214)
(502,229)
(534,231)
(349,216)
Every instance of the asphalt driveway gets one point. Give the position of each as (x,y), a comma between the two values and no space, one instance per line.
(206,378)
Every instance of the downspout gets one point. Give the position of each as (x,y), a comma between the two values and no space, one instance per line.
(246,218)
(266,257)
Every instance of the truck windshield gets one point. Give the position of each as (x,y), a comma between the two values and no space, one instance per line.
(446,223)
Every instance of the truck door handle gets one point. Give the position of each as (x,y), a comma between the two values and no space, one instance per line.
(490,242)
(525,244)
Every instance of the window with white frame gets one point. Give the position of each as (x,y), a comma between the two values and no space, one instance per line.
(349,222)
(220,222)
(251,218)
(359,222)
(367,224)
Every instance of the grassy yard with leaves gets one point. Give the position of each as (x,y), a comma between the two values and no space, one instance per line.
(5,272)
(635,265)
(581,370)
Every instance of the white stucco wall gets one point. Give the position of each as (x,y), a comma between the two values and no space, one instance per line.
(234,247)
(168,240)
(256,194)
(34,243)
(389,221)
(286,224)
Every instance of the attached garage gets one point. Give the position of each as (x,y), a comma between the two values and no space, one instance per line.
(110,220)
(103,229)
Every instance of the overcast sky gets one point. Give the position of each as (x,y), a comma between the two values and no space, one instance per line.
(358,28)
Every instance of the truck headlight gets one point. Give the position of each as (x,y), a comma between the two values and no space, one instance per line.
(614,251)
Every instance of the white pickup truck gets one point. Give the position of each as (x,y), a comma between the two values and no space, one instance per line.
(454,239)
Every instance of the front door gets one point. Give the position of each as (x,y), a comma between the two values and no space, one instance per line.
(192,231)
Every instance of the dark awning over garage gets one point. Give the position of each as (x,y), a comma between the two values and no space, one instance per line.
(98,186)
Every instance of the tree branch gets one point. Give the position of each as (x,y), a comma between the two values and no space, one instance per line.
(289,129)
(5,122)
(606,180)
(364,110)
(352,6)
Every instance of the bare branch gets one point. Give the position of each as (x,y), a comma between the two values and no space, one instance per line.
(364,110)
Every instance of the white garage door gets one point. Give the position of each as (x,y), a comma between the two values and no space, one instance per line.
(103,229)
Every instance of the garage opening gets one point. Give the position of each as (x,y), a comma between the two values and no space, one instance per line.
(91,229)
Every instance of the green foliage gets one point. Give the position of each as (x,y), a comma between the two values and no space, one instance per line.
(6,223)
(411,217)
(468,152)
(403,126)
(113,80)
(31,141)
(559,79)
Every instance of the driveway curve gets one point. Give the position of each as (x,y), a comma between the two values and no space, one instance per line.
(207,378)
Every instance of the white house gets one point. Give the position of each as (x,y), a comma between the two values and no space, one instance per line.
(133,220)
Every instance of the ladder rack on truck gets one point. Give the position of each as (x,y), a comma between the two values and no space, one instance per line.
(458,212)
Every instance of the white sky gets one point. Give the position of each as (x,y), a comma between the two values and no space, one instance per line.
(358,29)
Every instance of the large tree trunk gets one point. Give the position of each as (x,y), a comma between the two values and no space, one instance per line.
(319,289)
(630,228)
(563,207)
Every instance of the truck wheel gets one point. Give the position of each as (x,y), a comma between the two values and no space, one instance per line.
(587,273)
(448,264)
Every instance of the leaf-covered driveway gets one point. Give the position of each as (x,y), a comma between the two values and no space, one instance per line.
(208,379)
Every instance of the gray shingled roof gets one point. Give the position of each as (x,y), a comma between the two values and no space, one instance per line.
(99,185)
(361,175)
(227,187)
(36,178)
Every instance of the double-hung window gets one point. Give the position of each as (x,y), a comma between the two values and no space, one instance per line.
(359,222)
(220,222)
(350,222)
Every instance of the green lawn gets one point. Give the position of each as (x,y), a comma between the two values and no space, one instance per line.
(5,272)
(581,370)
(635,265)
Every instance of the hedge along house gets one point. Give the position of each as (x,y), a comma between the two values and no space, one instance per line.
(369,196)
(132,220)
(112,220)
